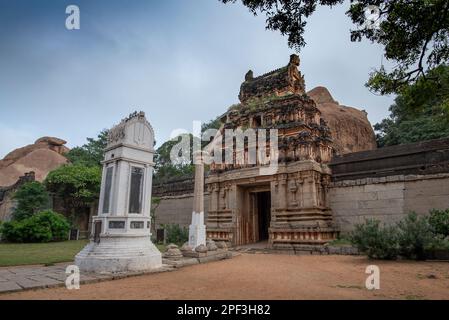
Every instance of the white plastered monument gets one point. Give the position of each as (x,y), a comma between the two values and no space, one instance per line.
(121,237)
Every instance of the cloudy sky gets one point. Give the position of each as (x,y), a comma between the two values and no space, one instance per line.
(177,60)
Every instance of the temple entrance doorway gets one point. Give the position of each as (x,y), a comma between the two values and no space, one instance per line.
(253,220)
(263,214)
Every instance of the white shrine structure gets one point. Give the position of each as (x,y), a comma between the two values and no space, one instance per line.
(121,237)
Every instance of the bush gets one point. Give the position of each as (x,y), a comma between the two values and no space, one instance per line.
(415,236)
(378,242)
(31,198)
(44,226)
(439,222)
(176,234)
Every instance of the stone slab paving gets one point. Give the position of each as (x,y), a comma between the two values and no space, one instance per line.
(39,277)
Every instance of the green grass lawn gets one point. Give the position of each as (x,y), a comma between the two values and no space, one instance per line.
(14,254)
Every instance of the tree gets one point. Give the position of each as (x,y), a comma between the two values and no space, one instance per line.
(31,198)
(165,169)
(77,185)
(212,124)
(420,111)
(414,33)
(91,153)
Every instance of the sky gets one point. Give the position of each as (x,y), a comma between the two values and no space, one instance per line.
(176,60)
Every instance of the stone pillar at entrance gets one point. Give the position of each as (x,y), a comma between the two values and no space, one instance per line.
(197,230)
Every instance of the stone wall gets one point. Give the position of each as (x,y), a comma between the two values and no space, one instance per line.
(177,210)
(387,199)
(176,202)
(7,203)
(7,206)
(389,182)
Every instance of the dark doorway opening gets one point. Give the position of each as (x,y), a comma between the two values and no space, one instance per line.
(263,214)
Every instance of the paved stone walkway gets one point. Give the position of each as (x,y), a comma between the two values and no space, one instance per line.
(38,277)
(20,278)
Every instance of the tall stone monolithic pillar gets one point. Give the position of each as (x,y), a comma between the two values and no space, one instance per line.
(121,237)
(197,230)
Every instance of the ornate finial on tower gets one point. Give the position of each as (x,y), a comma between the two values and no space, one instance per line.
(283,81)
(294,60)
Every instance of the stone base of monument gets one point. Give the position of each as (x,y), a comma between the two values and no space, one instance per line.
(119,254)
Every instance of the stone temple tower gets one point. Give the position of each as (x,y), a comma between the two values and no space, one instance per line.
(121,238)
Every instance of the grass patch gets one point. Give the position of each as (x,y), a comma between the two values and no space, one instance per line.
(15,254)
(161,247)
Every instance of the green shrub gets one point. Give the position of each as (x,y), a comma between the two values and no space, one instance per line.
(176,234)
(376,241)
(44,226)
(415,236)
(439,222)
(31,198)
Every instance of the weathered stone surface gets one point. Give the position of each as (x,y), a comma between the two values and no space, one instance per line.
(387,200)
(350,128)
(186,247)
(295,188)
(211,246)
(221,245)
(44,155)
(177,209)
(172,252)
(283,81)
(201,249)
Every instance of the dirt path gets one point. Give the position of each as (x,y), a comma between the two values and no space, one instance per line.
(264,276)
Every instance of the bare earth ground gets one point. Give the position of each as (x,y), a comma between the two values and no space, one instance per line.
(268,276)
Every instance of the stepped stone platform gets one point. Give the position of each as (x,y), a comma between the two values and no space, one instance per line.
(263,248)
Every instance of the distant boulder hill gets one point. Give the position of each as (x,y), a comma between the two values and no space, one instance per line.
(350,127)
(45,155)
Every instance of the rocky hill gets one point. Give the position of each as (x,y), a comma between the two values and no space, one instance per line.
(350,128)
(46,154)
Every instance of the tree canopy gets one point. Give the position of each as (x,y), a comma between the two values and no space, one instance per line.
(414,33)
(31,198)
(420,111)
(91,153)
(165,169)
(77,185)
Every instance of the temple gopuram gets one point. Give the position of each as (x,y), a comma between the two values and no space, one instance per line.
(289,205)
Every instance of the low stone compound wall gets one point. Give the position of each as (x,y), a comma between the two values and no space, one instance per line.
(387,199)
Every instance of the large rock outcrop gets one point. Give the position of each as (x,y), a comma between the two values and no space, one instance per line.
(350,128)
(46,154)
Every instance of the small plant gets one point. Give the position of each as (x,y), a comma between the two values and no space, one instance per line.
(378,242)
(44,226)
(439,222)
(415,236)
(176,234)
(31,197)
